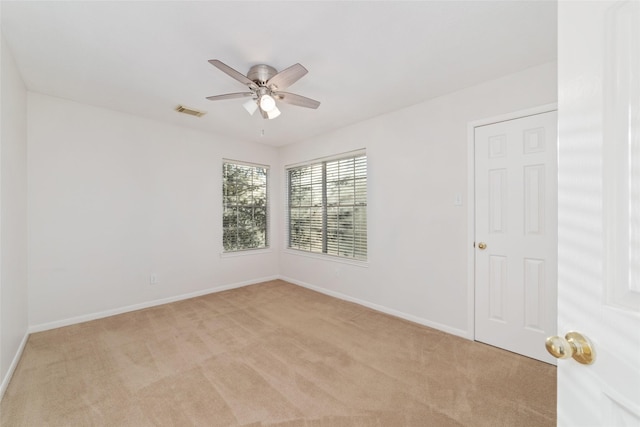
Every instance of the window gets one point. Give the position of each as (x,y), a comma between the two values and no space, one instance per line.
(327,207)
(244,217)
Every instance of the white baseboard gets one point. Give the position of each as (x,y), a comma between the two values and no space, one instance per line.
(415,319)
(13,366)
(102,314)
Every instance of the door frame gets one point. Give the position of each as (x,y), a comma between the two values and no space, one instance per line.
(471,205)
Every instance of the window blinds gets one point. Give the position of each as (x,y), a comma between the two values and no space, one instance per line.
(327,207)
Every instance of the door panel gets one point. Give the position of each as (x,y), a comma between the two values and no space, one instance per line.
(515,177)
(599,215)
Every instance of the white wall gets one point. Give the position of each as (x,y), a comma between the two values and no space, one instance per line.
(115,198)
(13,215)
(417,160)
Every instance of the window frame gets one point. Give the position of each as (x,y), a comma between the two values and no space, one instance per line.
(358,254)
(267,206)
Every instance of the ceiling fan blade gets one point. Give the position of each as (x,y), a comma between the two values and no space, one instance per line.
(229,96)
(293,99)
(287,77)
(233,73)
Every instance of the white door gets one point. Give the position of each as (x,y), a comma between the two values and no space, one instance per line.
(599,209)
(516,233)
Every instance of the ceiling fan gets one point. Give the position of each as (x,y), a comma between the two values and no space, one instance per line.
(266,84)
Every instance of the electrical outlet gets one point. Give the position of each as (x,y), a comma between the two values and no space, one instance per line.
(153,279)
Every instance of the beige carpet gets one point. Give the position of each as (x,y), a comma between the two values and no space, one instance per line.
(272,354)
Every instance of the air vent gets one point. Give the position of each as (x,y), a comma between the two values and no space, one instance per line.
(190,111)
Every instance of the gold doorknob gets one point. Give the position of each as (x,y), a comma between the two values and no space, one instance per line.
(574,344)
(482,245)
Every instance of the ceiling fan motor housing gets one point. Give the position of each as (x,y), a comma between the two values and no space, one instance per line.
(261,73)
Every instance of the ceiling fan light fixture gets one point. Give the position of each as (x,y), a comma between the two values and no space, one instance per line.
(273,113)
(267,103)
(251,106)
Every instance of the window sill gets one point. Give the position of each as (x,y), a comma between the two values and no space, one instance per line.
(245,253)
(326,257)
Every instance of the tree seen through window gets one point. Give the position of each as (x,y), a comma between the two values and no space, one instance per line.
(245,211)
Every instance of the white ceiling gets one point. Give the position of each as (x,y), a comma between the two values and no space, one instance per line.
(365,58)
